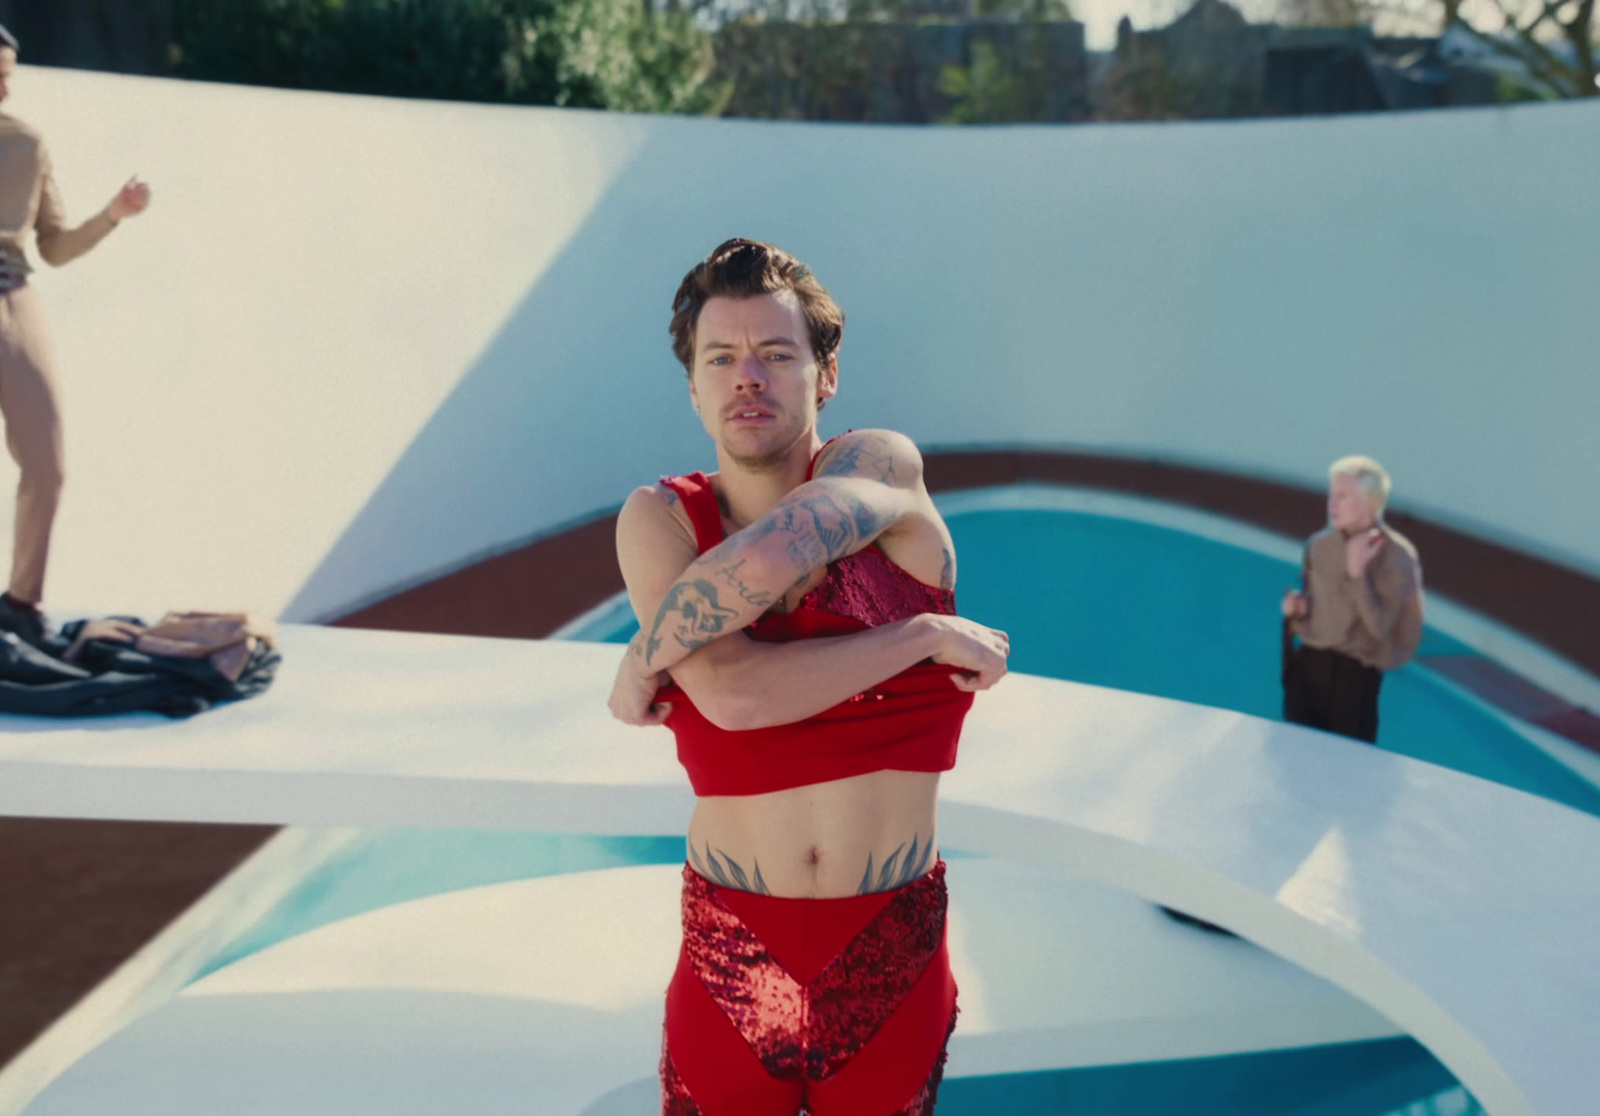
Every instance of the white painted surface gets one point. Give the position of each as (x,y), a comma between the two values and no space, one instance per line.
(369,729)
(1459,909)
(1053,973)
(357,341)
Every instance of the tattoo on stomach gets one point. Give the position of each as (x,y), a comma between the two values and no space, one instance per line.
(727,871)
(898,869)
(895,872)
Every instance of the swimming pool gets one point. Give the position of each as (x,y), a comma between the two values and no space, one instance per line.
(1095,598)
(1136,605)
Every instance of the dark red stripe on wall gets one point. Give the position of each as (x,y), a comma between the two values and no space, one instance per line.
(525,593)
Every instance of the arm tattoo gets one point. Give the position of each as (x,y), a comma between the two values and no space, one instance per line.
(812,532)
(821,528)
(690,615)
(869,456)
(947,575)
(896,872)
(759,598)
(727,872)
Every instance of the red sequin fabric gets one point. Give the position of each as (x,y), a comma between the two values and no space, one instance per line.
(810,1031)
(675,1098)
(867,587)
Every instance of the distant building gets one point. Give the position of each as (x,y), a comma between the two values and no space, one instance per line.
(1206,63)
(1212,62)
(1358,72)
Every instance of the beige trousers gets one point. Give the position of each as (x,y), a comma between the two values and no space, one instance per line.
(31,406)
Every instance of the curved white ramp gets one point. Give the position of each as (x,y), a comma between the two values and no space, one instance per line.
(1461,910)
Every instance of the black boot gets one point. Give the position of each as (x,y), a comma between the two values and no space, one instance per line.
(22,618)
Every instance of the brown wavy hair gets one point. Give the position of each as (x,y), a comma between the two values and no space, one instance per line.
(740,268)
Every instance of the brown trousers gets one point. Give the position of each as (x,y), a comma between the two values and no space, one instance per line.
(31,406)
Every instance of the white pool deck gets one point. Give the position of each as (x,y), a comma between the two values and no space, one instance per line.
(1460,910)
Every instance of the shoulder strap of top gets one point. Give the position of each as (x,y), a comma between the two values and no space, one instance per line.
(812,468)
(701,504)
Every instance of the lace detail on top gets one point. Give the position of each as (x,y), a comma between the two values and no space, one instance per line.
(868,586)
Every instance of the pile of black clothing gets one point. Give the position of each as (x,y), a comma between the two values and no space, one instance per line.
(182,666)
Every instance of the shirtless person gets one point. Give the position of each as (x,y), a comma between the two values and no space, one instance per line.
(29,400)
(800,599)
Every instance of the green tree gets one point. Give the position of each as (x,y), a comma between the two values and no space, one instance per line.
(588,53)
(1013,79)
(1554,40)
(986,90)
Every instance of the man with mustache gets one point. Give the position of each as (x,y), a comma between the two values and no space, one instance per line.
(799,637)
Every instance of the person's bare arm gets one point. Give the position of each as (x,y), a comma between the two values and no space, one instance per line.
(851,501)
(739,683)
(60,244)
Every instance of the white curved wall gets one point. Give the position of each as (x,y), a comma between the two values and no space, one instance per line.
(356,341)
(1461,910)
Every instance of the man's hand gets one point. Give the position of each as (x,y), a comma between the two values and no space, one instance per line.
(132,200)
(979,652)
(1295,605)
(633,692)
(1360,550)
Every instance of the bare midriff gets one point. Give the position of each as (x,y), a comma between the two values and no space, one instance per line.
(814,842)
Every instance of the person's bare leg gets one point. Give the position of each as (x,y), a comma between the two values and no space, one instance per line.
(30,404)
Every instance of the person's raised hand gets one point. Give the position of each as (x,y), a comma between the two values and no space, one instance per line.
(1295,605)
(132,200)
(633,692)
(980,652)
(1360,550)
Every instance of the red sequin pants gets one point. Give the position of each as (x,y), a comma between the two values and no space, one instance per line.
(833,1007)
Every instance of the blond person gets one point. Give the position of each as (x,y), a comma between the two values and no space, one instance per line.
(1360,611)
(29,400)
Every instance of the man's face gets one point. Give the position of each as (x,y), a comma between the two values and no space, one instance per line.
(755,380)
(8,66)
(1348,507)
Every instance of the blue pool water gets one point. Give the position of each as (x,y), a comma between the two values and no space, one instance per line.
(1382,1078)
(1095,599)
(1135,606)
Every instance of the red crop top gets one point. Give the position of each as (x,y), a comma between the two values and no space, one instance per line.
(911,722)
